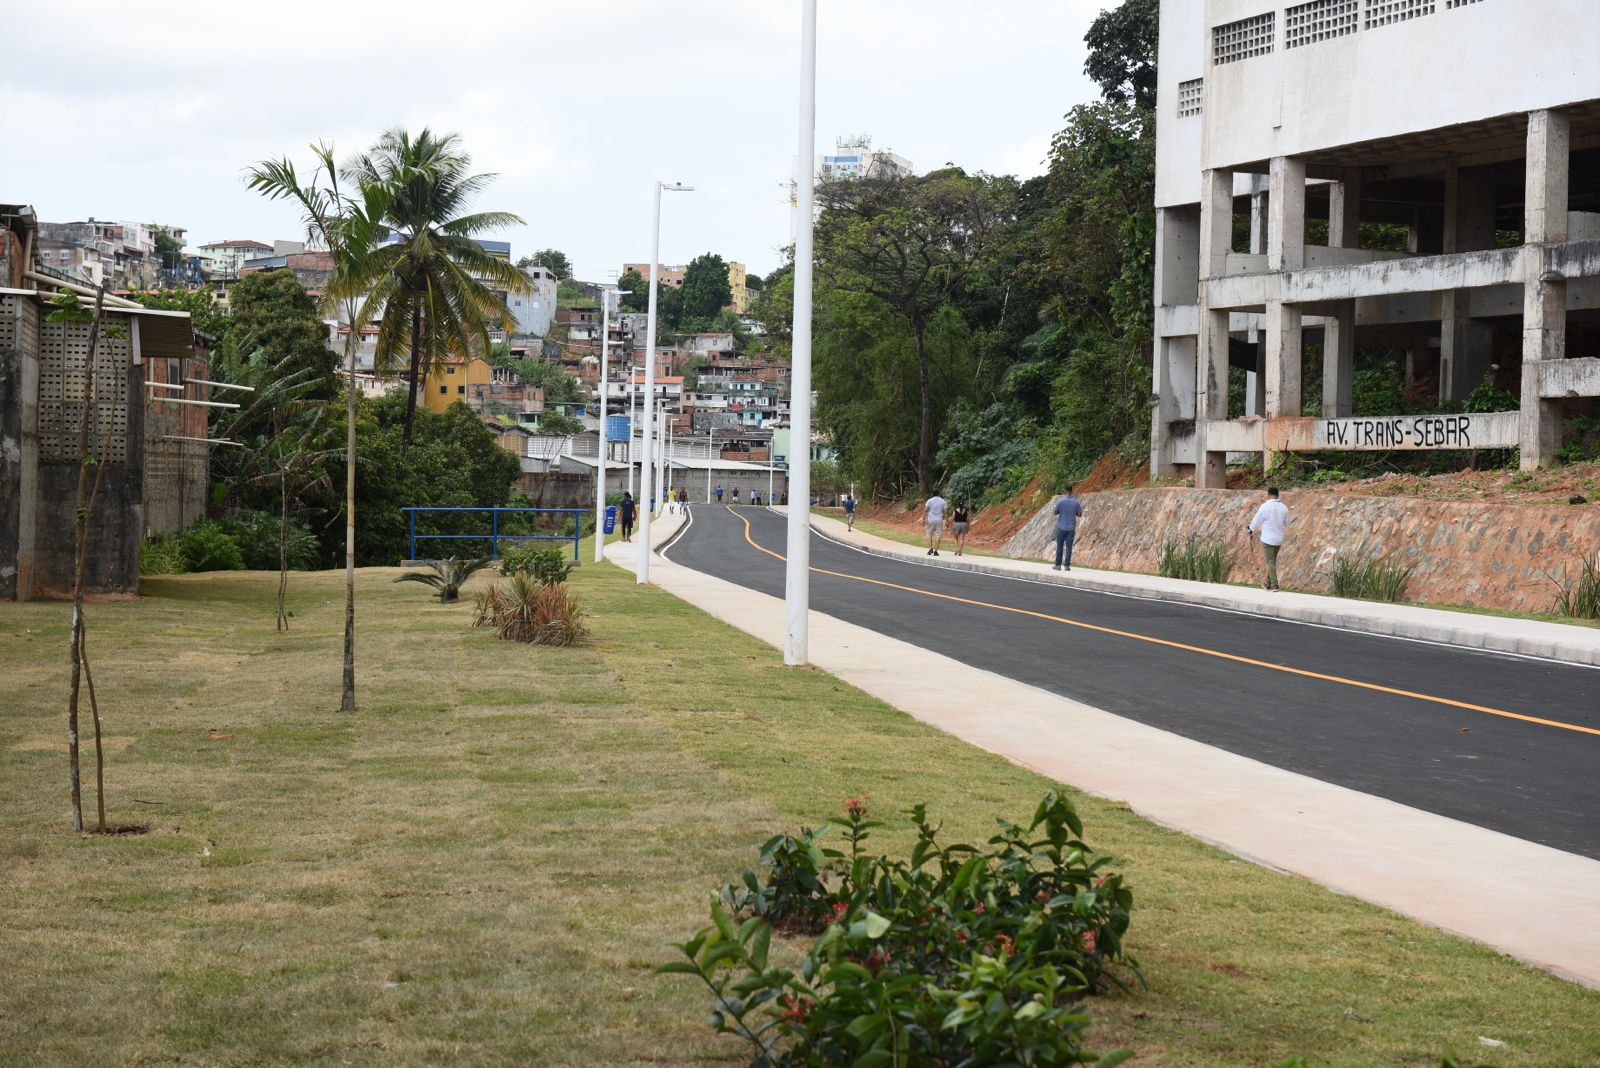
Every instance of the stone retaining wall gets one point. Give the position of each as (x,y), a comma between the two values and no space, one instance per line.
(1490,554)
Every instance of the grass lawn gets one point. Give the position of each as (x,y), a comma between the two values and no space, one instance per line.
(483,864)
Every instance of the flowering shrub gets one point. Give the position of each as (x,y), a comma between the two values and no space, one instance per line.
(956,955)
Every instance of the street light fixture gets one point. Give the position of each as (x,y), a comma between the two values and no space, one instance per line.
(642,573)
(797,577)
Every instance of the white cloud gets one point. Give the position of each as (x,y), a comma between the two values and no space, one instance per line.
(577,107)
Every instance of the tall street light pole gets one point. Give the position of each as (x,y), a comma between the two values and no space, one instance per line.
(797,578)
(606,296)
(642,573)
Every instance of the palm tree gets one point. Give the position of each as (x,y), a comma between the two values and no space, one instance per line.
(431,279)
(348,225)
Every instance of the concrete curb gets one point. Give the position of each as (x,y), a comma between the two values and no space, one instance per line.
(1524,637)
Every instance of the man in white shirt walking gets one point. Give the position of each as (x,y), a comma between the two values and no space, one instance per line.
(935,522)
(1270,519)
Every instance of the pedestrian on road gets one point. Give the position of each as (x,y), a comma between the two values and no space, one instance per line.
(719,493)
(683,502)
(849,512)
(1270,519)
(960,523)
(736,496)
(934,520)
(1068,509)
(626,510)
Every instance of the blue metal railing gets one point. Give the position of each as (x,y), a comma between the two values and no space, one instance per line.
(494,535)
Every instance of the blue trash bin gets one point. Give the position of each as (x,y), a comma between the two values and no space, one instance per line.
(611,519)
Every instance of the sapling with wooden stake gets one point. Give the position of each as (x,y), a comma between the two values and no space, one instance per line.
(70,312)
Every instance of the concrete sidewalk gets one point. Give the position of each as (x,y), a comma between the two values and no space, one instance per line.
(1529,637)
(1424,866)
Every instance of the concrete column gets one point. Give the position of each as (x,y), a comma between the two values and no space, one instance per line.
(1255,382)
(1544,294)
(1286,214)
(1211,397)
(1283,359)
(1162,405)
(1338,360)
(1344,211)
(1216,221)
(1549,152)
(1258,215)
(1465,345)
(1544,337)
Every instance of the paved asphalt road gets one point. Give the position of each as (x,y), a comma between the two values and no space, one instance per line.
(1536,780)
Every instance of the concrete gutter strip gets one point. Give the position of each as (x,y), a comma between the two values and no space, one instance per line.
(1501,634)
(1421,865)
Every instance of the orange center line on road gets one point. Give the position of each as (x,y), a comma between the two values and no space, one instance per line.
(1202,650)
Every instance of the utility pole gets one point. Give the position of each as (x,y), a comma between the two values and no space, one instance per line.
(797,578)
(605,443)
(642,573)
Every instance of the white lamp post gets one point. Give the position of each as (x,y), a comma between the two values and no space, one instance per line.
(797,577)
(643,570)
(606,297)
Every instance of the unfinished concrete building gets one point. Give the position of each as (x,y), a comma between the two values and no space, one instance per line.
(1470,127)
(145,406)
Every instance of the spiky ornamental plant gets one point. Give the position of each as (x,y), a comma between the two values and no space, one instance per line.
(449,575)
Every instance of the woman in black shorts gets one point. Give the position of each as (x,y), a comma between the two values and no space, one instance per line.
(960,523)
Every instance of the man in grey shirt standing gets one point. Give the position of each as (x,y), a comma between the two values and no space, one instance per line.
(1068,509)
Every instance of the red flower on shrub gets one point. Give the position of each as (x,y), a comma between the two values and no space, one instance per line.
(1089,944)
(1042,897)
(839,909)
(856,806)
(876,960)
(978,909)
(794,1009)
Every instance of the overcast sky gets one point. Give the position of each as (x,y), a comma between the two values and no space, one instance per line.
(152,113)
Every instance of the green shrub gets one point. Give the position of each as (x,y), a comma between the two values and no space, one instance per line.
(956,955)
(1368,578)
(1200,561)
(207,547)
(257,534)
(547,566)
(1579,597)
(161,554)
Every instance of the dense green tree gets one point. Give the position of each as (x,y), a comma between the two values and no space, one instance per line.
(169,250)
(754,282)
(554,259)
(705,290)
(272,312)
(453,461)
(910,243)
(558,385)
(207,315)
(1122,52)
(434,285)
(635,289)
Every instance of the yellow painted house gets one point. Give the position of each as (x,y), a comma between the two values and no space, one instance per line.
(450,378)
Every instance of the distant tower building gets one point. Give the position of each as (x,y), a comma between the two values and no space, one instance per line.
(1470,127)
(854,157)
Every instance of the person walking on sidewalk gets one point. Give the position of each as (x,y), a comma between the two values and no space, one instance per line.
(719,493)
(626,510)
(960,523)
(849,511)
(1270,519)
(934,519)
(1068,510)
